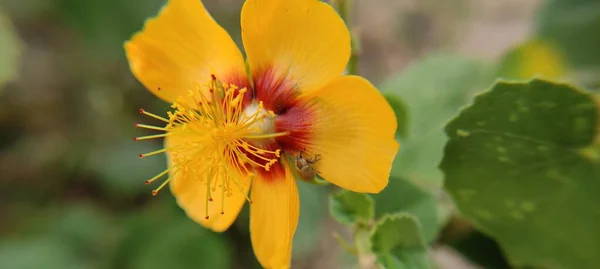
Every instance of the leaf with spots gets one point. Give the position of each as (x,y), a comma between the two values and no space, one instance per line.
(523,163)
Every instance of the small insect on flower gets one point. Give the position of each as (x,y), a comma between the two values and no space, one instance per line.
(305,168)
(234,121)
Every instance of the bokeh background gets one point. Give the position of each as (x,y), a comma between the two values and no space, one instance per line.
(72,191)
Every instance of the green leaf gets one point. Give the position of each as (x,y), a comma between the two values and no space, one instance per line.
(312,214)
(523,163)
(122,171)
(350,208)
(397,241)
(38,252)
(10,50)
(90,233)
(534,58)
(176,244)
(433,91)
(403,196)
(401,110)
(106,36)
(574,26)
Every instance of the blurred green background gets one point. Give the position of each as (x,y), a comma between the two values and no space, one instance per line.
(72,191)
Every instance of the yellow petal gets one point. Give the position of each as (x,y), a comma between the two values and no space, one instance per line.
(190,190)
(304,42)
(353,134)
(273,219)
(178,50)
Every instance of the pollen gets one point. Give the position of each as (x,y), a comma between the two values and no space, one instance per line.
(216,136)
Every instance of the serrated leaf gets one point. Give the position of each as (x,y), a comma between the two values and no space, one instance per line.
(402,196)
(350,208)
(523,163)
(433,89)
(397,241)
(10,50)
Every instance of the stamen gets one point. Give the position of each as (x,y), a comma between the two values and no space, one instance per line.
(139,138)
(155,191)
(218,138)
(153,153)
(158,176)
(150,127)
(209,198)
(262,136)
(222,198)
(144,112)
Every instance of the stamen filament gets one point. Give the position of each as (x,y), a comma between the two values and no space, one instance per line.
(155,191)
(216,141)
(153,153)
(208,192)
(158,176)
(144,112)
(150,127)
(149,137)
(223,198)
(267,135)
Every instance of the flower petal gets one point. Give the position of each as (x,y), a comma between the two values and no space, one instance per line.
(190,191)
(180,49)
(351,127)
(273,219)
(304,42)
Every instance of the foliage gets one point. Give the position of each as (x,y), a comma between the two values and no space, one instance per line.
(349,208)
(10,50)
(433,90)
(396,240)
(502,155)
(398,243)
(523,162)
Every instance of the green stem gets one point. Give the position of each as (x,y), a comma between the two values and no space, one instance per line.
(344,8)
(362,241)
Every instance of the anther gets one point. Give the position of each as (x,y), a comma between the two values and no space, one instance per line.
(154,192)
(206,217)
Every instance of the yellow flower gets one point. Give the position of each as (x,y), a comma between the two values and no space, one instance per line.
(233,132)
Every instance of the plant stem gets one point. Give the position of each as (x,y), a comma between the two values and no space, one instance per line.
(344,8)
(362,240)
